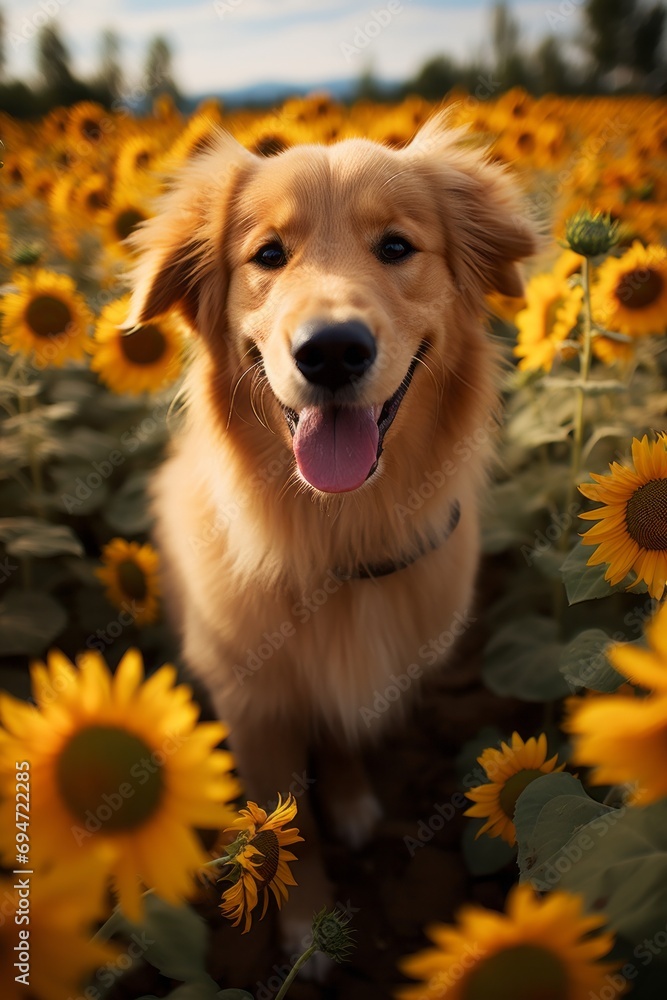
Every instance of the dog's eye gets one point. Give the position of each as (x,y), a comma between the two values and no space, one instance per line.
(271,255)
(394,248)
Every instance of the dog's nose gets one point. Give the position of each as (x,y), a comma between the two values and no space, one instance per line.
(336,354)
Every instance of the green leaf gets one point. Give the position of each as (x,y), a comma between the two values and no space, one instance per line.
(90,446)
(71,389)
(548,563)
(13,527)
(40,416)
(549,816)
(621,338)
(585,583)
(79,492)
(29,622)
(592,387)
(128,512)
(44,541)
(486,855)
(204,989)
(624,876)
(523,660)
(584,663)
(11,388)
(534,419)
(536,795)
(175,938)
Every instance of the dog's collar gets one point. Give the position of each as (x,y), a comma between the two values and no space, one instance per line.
(387,568)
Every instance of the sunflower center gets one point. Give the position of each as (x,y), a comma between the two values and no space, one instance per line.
(97,200)
(267,844)
(526,142)
(526,972)
(646,515)
(47,316)
(126,222)
(639,289)
(513,788)
(132,580)
(145,345)
(108,779)
(90,129)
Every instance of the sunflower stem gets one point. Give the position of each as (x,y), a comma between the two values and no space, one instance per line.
(34,460)
(584,372)
(291,975)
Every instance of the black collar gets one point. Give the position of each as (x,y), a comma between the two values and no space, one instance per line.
(386,568)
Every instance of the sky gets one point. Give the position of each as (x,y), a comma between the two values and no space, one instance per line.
(224,45)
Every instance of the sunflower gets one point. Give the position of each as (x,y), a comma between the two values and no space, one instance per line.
(4,240)
(88,121)
(17,170)
(136,155)
(54,126)
(509,770)
(92,196)
(551,313)
(622,736)
(61,196)
(611,351)
(127,210)
(116,763)
(259,861)
(630,294)
(61,206)
(139,360)
(41,183)
(65,903)
(45,318)
(130,574)
(632,533)
(568,264)
(539,948)
(198,135)
(505,307)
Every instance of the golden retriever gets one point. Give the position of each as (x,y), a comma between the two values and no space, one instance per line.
(318,517)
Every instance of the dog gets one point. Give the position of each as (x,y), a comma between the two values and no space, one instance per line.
(336,296)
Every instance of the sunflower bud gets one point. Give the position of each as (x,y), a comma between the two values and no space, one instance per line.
(331,934)
(27,254)
(590,233)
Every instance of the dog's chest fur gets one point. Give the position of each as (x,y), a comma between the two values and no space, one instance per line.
(268,620)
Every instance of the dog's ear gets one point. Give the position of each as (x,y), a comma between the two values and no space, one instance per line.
(487,227)
(177,247)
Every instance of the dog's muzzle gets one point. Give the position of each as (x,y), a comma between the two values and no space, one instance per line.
(337,446)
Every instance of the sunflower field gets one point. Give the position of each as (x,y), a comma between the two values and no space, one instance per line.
(541,871)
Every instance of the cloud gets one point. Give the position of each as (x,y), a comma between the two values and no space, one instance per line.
(253,41)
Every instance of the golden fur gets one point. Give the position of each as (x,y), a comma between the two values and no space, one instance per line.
(245,542)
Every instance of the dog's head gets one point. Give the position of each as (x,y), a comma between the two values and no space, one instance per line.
(337,273)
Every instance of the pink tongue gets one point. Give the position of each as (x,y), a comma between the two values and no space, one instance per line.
(335,448)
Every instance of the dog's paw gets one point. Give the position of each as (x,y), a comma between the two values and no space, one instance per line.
(355,819)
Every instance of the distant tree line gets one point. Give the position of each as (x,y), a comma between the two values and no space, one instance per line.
(621,49)
(57,84)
